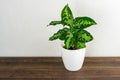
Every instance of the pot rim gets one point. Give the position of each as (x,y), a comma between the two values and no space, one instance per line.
(72,49)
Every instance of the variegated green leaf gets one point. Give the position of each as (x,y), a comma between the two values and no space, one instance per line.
(68,41)
(61,34)
(80,45)
(84,36)
(54,23)
(54,37)
(67,16)
(74,37)
(83,22)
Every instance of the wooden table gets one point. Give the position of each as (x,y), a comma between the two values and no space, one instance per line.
(52,69)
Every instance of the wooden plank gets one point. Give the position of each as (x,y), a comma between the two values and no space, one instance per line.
(51,68)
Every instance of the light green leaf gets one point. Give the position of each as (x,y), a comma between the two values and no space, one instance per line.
(83,22)
(67,16)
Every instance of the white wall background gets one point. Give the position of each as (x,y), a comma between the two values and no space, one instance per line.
(23,30)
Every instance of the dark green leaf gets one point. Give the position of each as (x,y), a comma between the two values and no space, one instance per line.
(54,23)
(67,16)
(84,36)
(83,22)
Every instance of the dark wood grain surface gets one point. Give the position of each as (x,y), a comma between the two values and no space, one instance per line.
(38,68)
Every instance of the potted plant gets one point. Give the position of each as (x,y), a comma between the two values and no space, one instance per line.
(74,36)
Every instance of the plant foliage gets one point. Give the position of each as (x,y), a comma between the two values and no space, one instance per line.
(75,36)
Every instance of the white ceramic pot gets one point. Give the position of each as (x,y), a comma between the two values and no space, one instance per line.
(73,59)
